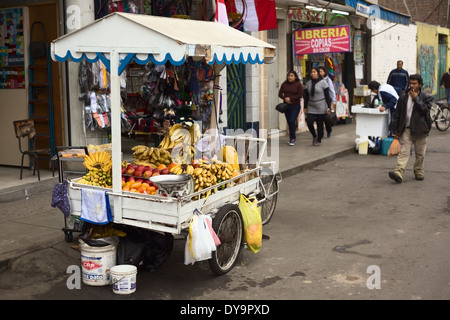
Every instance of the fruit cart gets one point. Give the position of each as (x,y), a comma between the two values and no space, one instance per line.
(127,37)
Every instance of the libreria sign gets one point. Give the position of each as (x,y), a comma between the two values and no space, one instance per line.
(322,40)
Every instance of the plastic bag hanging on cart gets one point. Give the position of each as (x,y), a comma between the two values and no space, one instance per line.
(251,215)
(200,242)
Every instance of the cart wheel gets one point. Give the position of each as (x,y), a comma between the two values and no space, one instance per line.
(229,226)
(68,236)
(270,184)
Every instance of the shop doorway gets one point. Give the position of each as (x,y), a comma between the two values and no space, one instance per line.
(15,102)
(47,16)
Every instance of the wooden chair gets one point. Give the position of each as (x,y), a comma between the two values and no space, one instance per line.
(25,131)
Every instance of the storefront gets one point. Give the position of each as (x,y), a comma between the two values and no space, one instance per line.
(329,39)
(21,76)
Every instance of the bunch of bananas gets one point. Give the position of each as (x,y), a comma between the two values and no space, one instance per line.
(207,173)
(182,168)
(150,156)
(98,160)
(188,133)
(97,177)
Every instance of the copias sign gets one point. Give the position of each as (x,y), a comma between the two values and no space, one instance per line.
(322,40)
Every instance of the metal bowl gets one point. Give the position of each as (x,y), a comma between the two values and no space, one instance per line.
(174,184)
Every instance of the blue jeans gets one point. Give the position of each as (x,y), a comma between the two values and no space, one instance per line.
(447,93)
(291,115)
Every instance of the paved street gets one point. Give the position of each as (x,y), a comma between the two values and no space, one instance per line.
(346,215)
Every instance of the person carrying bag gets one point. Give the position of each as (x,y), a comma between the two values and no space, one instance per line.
(291,91)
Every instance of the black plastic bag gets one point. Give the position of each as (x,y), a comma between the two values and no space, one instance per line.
(146,246)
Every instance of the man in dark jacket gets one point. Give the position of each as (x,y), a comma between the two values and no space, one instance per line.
(412,123)
(399,78)
(445,83)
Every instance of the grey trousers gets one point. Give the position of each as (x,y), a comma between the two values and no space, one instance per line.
(420,146)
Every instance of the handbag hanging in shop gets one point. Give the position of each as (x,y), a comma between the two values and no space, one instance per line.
(282,107)
(38,49)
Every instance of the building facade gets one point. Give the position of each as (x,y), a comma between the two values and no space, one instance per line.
(378,36)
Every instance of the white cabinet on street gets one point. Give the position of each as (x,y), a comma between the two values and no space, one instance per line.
(371,122)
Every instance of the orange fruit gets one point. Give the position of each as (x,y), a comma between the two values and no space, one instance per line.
(173,164)
(162,166)
(136,185)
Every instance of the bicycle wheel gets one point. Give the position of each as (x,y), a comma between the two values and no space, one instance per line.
(229,227)
(270,183)
(442,121)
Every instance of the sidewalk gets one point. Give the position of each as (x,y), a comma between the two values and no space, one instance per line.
(28,222)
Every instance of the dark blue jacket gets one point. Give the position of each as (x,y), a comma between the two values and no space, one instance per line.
(399,79)
(389,100)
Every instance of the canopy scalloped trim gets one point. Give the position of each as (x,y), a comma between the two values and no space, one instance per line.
(150,57)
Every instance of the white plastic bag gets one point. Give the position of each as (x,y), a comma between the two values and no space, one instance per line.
(200,242)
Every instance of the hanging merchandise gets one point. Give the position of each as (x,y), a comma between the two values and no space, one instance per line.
(99,109)
(157,96)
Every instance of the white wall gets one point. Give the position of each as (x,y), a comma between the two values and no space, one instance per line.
(391,43)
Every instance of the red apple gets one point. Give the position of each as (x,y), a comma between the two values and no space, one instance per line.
(124,170)
(138,172)
(165,171)
(148,174)
(156,170)
(139,180)
(147,168)
(132,179)
(130,171)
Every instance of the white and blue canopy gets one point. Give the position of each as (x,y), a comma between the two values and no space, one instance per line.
(145,38)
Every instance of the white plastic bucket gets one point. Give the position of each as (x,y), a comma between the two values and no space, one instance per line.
(96,263)
(124,278)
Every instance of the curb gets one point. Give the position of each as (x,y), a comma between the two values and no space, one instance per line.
(310,165)
(20,192)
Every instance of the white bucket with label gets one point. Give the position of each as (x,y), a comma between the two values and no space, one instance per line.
(96,263)
(124,278)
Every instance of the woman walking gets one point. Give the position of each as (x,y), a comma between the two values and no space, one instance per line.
(317,104)
(291,91)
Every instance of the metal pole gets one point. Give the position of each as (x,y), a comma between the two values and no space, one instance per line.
(116,138)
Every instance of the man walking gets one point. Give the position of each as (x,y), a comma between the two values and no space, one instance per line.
(412,123)
(445,82)
(399,78)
